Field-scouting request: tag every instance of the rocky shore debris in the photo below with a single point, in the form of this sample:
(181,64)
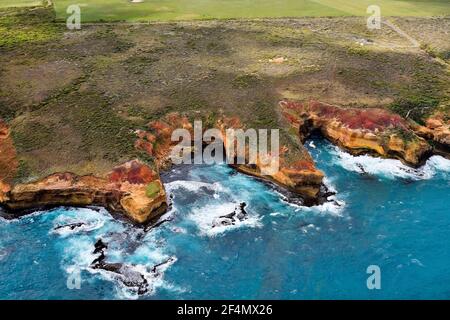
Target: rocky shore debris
(157,224)
(127,274)
(70,226)
(239,214)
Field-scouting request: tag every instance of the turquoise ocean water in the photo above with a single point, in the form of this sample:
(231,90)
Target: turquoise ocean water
(383,214)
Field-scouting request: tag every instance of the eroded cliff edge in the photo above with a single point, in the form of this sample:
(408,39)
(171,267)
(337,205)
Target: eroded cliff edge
(132,189)
(371,130)
(135,190)
(297,171)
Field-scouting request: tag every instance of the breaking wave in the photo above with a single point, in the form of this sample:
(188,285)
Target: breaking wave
(390,168)
(206,217)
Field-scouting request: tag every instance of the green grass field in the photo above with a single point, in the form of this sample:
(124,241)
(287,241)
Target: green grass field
(156,10)
(18,3)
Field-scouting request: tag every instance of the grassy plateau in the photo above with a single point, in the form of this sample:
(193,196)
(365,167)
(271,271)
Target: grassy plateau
(73,99)
(159,10)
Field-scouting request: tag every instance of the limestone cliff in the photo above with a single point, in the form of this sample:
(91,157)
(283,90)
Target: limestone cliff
(297,174)
(132,189)
(437,130)
(8,161)
(370,130)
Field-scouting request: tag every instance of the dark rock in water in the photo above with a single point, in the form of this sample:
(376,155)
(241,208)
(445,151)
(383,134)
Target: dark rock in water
(70,226)
(125,273)
(239,213)
(361,167)
(242,214)
(100,246)
(229,216)
(157,224)
(159,265)
(132,278)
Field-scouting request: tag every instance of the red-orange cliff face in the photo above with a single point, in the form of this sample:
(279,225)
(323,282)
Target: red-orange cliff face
(157,141)
(436,129)
(124,190)
(8,161)
(370,130)
(295,173)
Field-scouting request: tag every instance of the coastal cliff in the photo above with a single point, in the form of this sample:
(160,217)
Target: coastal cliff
(372,130)
(436,130)
(8,162)
(132,189)
(296,173)
(135,190)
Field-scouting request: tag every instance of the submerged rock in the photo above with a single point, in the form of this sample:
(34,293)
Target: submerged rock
(127,274)
(71,226)
(239,214)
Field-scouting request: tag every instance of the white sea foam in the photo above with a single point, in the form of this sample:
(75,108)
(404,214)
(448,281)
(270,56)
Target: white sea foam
(77,250)
(155,280)
(88,219)
(438,163)
(4,220)
(78,255)
(193,186)
(65,227)
(390,168)
(206,216)
(332,206)
(3,253)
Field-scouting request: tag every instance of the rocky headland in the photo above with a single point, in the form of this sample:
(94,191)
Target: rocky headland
(135,190)
(132,189)
(371,130)
(297,171)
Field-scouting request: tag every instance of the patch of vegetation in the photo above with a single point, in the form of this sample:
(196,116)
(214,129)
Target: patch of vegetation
(264,116)
(282,40)
(245,81)
(27,26)
(417,108)
(7,112)
(10,37)
(152,189)
(136,111)
(108,34)
(119,10)
(23,172)
(185,101)
(406,135)
(435,52)
(137,64)
(419,99)
(103,130)
(32,136)
(211,120)
(359,51)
